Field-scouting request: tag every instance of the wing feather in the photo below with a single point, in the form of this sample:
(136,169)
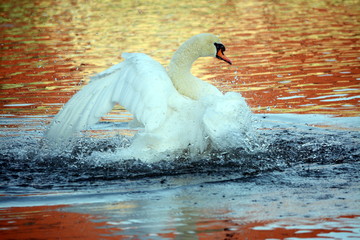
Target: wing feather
(139,83)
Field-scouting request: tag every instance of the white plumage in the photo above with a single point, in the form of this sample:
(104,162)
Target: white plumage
(178,110)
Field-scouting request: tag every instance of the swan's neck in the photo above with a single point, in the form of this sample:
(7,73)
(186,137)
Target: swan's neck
(179,71)
(182,60)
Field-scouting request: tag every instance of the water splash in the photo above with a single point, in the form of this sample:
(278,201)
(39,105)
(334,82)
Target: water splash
(29,163)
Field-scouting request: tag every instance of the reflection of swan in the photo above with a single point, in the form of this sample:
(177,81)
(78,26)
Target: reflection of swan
(177,110)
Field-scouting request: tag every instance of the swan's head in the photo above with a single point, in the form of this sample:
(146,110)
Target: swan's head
(210,45)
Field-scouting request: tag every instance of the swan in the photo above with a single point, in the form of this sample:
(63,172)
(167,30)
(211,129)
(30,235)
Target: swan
(177,110)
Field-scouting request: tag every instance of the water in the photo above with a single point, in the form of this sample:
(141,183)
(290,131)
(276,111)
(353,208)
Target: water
(297,65)
(306,176)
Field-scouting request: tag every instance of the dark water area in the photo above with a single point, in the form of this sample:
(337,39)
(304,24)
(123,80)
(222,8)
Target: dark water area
(29,163)
(296,63)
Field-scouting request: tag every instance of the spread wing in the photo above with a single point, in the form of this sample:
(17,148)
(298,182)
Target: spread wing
(139,83)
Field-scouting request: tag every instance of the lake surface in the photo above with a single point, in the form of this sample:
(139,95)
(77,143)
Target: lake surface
(297,63)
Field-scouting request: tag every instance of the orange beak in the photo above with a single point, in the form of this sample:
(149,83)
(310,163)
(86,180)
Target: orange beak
(220,55)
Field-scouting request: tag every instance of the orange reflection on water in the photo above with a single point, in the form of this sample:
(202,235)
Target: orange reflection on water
(49,222)
(295,56)
(54,222)
(289,56)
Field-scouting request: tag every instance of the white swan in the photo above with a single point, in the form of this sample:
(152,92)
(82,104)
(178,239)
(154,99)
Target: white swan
(178,110)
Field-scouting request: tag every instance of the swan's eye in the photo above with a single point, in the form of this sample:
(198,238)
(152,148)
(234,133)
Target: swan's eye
(219,46)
